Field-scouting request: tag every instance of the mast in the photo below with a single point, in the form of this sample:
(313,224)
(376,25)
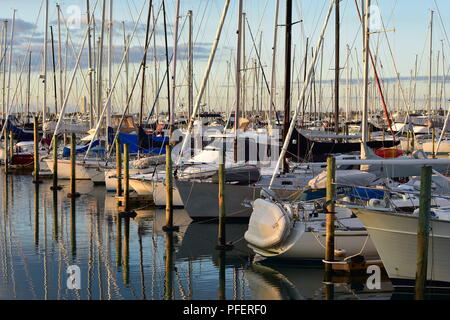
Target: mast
(29,88)
(91,70)
(302,95)
(144,66)
(190,67)
(174,66)
(336,69)
(110,57)
(437,82)
(61,92)
(431,66)
(320,84)
(364,123)
(155,64)
(244,70)
(273,85)
(228,89)
(44,108)
(5,44)
(305,65)
(238,79)
(10,58)
(167,61)
(348,84)
(287,77)
(100,64)
(54,71)
(443,77)
(415,84)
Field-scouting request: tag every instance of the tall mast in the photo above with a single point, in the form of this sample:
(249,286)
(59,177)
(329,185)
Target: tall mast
(305,64)
(347,105)
(44,108)
(244,70)
(320,84)
(110,57)
(336,69)
(431,66)
(60,68)
(302,96)
(100,63)
(174,66)
(10,58)
(364,123)
(5,49)
(287,76)
(144,64)
(29,88)
(415,84)
(437,82)
(155,62)
(125,45)
(91,70)
(228,88)
(273,85)
(54,71)
(190,67)
(167,60)
(443,76)
(238,79)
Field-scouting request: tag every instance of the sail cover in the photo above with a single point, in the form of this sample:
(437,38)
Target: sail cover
(303,149)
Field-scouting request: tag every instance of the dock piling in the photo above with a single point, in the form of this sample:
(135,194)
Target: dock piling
(73,156)
(330,191)
(118,168)
(433,138)
(169,192)
(423,232)
(126,177)
(36,150)
(329,246)
(222,244)
(127,212)
(55,186)
(5,154)
(11,146)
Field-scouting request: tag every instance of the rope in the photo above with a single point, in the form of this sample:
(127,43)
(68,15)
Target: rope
(360,252)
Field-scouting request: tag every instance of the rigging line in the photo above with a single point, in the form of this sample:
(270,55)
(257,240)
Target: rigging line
(442,22)
(163,81)
(260,64)
(408,106)
(73,49)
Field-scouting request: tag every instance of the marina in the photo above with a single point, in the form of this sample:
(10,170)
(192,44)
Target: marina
(219,150)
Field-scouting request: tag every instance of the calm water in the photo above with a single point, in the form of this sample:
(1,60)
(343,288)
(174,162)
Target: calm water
(41,235)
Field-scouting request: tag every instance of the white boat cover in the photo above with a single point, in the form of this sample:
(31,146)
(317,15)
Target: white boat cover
(146,162)
(269,224)
(347,177)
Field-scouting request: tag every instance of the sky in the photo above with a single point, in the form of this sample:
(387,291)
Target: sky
(406,35)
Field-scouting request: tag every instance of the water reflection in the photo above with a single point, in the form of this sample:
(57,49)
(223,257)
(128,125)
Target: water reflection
(291,282)
(124,258)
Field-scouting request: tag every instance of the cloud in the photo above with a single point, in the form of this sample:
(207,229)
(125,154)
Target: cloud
(20,26)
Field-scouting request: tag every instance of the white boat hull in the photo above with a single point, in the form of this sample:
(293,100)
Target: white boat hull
(201,199)
(83,171)
(395,237)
